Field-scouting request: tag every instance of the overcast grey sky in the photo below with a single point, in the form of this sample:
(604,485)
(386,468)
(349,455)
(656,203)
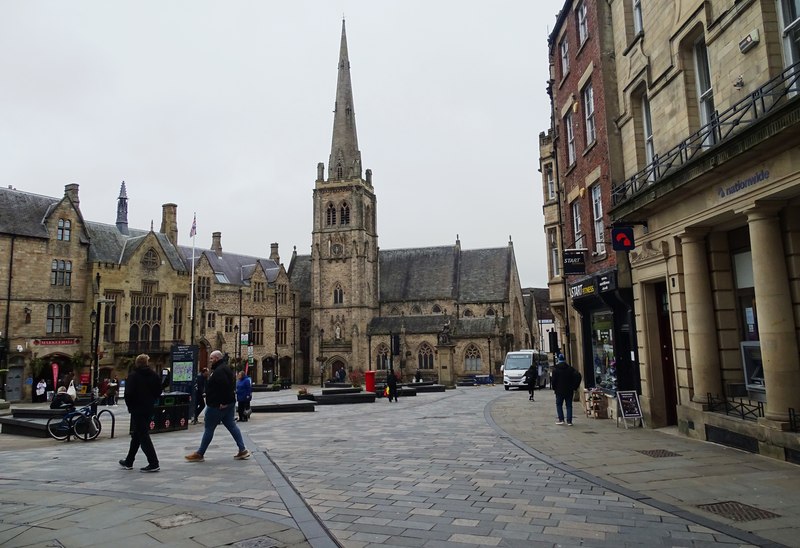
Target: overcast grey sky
(225,108)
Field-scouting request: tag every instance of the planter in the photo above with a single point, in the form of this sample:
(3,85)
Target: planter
(309,397)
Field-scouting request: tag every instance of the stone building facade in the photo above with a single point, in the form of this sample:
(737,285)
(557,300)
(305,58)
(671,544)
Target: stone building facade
(709,110)
(443,310)
(68,279)
(580,157)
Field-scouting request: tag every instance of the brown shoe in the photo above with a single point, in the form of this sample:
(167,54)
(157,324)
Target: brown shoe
(241,455)
(195,457)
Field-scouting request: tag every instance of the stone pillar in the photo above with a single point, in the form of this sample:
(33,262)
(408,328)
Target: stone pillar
(445,354)
(702,326)
(776,325)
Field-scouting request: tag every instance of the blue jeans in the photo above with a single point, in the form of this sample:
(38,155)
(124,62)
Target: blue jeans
(214,416)
(560,401)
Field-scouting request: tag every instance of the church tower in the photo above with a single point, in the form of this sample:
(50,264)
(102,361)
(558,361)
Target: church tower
(344,254)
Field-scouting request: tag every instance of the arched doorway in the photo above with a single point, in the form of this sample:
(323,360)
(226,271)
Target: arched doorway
(337,365)
(268,370)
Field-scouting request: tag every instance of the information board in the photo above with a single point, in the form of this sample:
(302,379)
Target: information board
(629,406)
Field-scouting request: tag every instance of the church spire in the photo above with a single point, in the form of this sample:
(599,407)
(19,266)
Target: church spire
(122,210)
(345,159)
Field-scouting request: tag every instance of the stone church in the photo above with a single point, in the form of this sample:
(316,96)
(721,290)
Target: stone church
(443,310)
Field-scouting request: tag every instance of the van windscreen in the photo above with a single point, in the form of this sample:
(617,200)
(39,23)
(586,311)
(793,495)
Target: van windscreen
(517,362)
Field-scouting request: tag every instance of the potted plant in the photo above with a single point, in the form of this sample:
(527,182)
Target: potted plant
(304,394)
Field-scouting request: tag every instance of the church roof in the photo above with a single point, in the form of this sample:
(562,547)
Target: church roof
(109,245)
(300,276)
(446,272)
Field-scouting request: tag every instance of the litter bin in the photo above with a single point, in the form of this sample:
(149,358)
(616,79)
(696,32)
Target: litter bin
(171,412)
(369,381)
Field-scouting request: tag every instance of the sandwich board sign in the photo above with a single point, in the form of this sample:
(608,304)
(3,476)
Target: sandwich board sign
(629,407)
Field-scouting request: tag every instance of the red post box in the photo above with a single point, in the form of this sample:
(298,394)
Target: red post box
(369,381)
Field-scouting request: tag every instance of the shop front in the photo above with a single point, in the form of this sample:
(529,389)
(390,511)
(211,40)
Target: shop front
(608,358)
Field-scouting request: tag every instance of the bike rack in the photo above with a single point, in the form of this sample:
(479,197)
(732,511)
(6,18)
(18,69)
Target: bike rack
(113,419)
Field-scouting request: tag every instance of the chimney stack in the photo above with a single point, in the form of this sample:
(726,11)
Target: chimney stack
(273,253)
(169,222)
(71,192)
(216,243)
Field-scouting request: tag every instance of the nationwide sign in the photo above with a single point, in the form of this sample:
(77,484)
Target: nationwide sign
(574,261)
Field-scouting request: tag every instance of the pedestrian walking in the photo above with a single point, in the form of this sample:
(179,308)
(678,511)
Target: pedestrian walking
(200,394)
(141,392)
(111,392)
(244,393)
(220,407)
(41,391)
(530,379)
(391,382)
(565,381)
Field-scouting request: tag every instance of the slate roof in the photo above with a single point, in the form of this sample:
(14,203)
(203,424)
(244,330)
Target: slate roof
(238,269)
(425,273)
(109,245)
(478,275)
(23,213)
(300,276)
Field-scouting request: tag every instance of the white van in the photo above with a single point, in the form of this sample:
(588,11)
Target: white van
(517,363)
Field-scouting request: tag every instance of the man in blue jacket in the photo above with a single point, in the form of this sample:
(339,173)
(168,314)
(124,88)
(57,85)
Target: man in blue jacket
(141,392)
(220,407)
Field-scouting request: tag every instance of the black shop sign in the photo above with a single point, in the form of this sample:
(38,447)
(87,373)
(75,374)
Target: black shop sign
(582,289)
(574,261)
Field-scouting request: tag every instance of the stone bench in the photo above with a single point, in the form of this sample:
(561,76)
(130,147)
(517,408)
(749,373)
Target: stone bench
(291,407)
(336,399)
(350,390)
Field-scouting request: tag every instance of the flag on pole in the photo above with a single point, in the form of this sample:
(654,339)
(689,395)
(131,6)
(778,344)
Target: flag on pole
(193,231)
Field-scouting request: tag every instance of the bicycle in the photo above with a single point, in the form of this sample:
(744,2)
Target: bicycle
(81,423)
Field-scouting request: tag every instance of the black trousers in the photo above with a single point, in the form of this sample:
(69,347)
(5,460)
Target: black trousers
(199,405)
(140,437)
(241,407)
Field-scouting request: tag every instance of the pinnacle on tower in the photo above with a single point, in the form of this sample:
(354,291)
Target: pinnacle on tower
(345,159)
(122,210)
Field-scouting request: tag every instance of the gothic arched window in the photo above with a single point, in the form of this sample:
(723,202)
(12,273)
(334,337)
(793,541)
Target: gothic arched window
(338,294)
(382,358)
(330,215)
(490,312)
(468,313)
(472,358)
(339,171)
(150,259)
(425,356)
(344,218)
(416,309)
(436,309)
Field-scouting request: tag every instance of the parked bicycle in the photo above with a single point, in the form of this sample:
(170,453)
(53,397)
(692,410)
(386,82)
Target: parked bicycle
(81,423)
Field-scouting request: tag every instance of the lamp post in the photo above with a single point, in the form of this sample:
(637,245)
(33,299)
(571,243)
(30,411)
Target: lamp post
(489,340)
(321,358)
(95,325)
(238,344)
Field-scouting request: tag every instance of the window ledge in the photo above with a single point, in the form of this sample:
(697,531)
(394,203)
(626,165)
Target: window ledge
(590,146)
(637,37)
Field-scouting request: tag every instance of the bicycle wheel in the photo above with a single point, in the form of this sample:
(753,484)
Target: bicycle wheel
(57,428)
(82,427)
(94,428)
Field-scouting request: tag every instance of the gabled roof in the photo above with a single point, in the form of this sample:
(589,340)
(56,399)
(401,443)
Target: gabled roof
(484,275)
(238,269)
(418,274)
(111,246)
(300,276)
(24,214)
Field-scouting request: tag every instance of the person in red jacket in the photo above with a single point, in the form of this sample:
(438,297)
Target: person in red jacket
(141,392)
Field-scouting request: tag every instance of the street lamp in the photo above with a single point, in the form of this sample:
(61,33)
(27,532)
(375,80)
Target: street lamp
(321,358)
(238,344)
(489,340)
(95,328)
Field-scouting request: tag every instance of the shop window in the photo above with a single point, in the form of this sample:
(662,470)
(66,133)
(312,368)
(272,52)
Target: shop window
(604,362)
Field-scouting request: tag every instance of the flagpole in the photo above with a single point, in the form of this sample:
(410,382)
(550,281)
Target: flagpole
(191,305)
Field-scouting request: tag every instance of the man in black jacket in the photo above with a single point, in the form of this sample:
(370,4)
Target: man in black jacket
(220,407)
(141,392)
(563,383)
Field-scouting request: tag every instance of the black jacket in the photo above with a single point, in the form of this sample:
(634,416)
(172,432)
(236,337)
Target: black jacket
(221,385)
(562,380)
(391,380)
(142,389)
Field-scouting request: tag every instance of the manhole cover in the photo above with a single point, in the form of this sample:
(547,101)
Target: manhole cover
(737,511)
(258,542)
(175,521)
(234,500)
(658,453)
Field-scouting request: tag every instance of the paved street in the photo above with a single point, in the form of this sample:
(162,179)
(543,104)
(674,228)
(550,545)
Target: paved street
(470,467)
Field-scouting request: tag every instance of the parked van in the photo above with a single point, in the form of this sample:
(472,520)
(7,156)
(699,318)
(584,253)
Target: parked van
(517,363)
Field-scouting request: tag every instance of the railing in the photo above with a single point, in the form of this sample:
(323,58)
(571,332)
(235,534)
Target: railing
(144,347)
(744,410)
(742,114)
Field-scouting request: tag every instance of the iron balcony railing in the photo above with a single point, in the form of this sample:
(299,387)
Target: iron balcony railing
(721,126)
